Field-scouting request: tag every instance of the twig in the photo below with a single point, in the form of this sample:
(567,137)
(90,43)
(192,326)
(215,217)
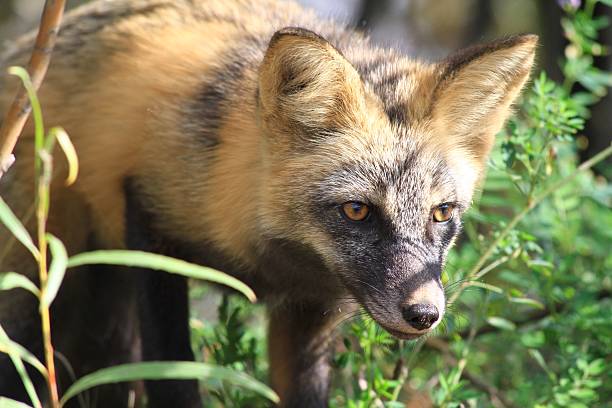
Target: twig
(403,369)
(497,398)
(18,113)
(531,204)
(531,318)
(491,266)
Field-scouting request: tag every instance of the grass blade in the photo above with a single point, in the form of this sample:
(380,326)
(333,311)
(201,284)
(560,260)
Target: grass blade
(12,280)
(167,370)
(57,270)
(7,344)
(39,127)
(12,223)
(69,151)
(160,262)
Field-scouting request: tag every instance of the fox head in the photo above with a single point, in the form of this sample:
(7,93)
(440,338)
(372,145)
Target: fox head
(372,163)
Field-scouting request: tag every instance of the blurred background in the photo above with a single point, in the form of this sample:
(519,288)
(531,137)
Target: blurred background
(422,28)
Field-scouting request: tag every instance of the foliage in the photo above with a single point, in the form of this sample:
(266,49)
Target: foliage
(236,341)
(51,275)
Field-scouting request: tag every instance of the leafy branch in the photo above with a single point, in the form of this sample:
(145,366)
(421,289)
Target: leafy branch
(477,269)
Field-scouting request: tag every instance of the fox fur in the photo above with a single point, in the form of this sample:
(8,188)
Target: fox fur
(230,133)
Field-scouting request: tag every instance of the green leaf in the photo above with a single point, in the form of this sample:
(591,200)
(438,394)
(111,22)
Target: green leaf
(57,270)
(606,2)
(160,262)
(8,346)
(39,127)
(486,286)
(583,394)
(13,352)
(9,403)
(533,339)
(394,404)
(69,151)
(168,370)
(12,223)
(12,280)
(501,323)
(527,301)
(537,356)
(596,367)
(443,382)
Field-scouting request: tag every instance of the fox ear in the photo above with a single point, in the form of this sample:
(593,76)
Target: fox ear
(474,94)
(306,85)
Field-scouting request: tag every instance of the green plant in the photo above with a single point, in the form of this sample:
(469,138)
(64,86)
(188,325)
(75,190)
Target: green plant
(233,341)
(52,271)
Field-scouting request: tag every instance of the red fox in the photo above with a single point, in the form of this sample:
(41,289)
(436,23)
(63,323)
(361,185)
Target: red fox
(259,139)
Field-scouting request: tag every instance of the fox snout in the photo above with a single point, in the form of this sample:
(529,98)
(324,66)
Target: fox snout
(421,316)
(424,307)
(409,308)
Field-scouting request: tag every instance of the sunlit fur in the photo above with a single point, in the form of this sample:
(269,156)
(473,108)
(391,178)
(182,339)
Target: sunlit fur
(242,130)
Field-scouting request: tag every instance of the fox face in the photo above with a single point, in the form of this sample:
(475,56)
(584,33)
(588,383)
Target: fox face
(378,192)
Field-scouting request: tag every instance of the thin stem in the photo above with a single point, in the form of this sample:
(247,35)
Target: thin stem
(405,369)
(491,266)
(42,212)
(531,204)
(498,399)
(18,112)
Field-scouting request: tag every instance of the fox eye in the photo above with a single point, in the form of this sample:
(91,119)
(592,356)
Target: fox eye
(355,211)
(443,212)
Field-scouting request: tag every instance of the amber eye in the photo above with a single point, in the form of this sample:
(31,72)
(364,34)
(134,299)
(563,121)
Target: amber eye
(355,211)
(443,212)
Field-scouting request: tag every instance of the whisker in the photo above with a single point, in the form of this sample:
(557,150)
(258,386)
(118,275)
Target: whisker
(370,285)
(382,306)
(350,316)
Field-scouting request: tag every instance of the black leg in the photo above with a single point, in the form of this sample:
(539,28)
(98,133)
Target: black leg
(95,325)
(164,323)
(299,348)
(163,309)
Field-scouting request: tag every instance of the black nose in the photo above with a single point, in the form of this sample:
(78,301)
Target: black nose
(420,316)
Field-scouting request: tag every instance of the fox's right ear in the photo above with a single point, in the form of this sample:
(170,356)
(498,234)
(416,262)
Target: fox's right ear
(306,85)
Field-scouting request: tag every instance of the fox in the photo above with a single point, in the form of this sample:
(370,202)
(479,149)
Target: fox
(262,140)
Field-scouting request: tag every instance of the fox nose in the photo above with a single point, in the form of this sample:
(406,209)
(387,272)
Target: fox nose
(420,316)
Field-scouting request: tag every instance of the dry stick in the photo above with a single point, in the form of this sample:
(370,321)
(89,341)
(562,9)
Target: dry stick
(18,113)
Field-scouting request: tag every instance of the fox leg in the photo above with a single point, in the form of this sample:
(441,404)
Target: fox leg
(164,324)
(300,338)
(163,311)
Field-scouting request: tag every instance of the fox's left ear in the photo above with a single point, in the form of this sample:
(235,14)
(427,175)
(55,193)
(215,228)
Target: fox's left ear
(475,90)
